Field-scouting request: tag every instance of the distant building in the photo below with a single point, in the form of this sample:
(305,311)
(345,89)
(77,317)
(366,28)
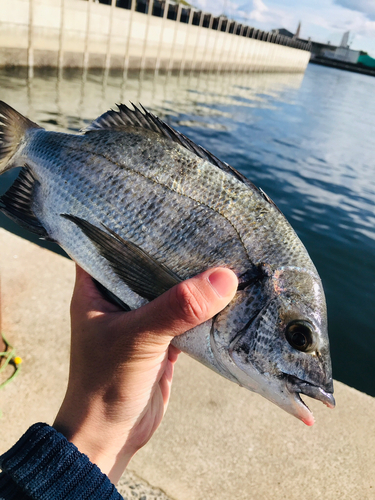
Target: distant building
(342,56)
(316,48)
(283,32)
(287,33)
(343,53)
(298,32)
(345,40)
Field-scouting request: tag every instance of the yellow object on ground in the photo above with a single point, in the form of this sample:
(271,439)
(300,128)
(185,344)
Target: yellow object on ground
(10,359)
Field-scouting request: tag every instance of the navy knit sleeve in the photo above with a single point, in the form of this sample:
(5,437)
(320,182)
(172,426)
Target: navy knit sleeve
(43,464)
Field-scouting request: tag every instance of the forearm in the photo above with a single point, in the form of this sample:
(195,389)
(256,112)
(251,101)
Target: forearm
(44,464)
(106,421)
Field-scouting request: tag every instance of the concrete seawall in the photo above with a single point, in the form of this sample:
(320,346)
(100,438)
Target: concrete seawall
(78,33)
(217,441)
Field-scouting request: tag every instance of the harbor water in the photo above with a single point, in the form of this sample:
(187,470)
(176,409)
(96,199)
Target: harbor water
(306,140)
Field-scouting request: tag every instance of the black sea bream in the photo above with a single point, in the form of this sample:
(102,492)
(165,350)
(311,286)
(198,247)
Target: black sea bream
(141,207)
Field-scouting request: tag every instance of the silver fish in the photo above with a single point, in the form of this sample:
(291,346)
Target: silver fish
(141,207)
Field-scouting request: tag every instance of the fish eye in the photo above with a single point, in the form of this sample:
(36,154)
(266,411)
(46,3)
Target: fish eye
(300,335)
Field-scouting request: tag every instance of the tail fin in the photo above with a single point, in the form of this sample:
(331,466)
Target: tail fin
(13,127)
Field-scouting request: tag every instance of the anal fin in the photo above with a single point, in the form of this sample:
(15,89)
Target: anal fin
(16,203)
(141,272)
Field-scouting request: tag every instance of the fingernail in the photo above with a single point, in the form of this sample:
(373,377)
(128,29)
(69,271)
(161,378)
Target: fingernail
(222,282)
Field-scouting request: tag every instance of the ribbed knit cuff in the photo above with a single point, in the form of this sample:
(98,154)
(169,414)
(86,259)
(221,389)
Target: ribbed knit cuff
(45,465)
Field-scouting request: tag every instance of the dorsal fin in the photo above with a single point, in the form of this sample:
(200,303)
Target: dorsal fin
(142,118)
(267,198)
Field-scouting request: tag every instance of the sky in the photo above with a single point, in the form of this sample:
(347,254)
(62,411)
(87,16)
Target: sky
(322,20)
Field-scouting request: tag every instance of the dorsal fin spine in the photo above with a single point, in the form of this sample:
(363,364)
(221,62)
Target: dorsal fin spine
(125,117)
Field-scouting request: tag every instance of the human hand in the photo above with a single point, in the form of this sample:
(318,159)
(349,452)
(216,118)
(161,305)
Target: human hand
(121,364)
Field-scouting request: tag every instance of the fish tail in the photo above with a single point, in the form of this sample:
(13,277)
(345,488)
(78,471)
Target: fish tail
(13,127)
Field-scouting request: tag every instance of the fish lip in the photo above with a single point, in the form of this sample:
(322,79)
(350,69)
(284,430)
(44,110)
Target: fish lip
(296,386)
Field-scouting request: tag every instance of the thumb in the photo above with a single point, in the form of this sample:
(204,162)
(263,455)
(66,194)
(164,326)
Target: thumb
(186,305)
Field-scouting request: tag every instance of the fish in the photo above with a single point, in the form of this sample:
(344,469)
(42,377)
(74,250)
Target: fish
(141,207)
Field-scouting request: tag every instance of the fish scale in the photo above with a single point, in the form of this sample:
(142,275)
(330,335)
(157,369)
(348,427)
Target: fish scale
(217,197)
(141,207)
(179,207)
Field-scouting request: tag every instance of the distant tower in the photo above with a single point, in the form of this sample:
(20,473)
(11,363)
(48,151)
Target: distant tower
(345,40)
(298,32)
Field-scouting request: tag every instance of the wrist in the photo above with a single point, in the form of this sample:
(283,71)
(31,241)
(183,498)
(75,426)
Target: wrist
(105,443)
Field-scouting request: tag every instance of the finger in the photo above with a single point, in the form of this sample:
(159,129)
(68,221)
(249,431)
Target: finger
(186,305)
(82,278)
(165,384)
(173,353)
(86,296)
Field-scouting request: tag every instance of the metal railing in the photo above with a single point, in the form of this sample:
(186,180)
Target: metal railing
(189,15)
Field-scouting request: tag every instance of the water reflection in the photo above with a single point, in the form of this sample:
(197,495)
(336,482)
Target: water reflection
(69,99)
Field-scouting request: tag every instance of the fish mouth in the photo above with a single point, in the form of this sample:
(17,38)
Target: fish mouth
(297,386)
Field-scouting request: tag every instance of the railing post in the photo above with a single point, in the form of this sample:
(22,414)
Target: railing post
(179,12)
(233,42)
(60,61)
(226,31)
(178,19)
(191,14)
(30,48)
(109,40)
(197,40)
(149,14)
(241,38)
(126,59)
(216,40)
(86,53)
(208,36)
(165,14)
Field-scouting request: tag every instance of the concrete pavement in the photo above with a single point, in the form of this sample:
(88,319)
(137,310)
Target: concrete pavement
(217,441)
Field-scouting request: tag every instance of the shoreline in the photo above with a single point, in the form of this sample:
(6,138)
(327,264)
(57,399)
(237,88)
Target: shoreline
(332,63)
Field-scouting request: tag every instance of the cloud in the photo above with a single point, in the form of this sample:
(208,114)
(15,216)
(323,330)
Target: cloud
(260,11)
(367,7)
(321,19)
(227,7)
(358,23)
(256,12)
(251,10)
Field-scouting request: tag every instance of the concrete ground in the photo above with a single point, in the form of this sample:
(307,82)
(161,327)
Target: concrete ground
(217,441)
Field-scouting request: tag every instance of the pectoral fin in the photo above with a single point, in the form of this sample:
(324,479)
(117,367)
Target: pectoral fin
(16,203)
(141,272)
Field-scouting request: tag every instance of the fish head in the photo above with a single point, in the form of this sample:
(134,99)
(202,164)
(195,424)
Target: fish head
(277,341)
